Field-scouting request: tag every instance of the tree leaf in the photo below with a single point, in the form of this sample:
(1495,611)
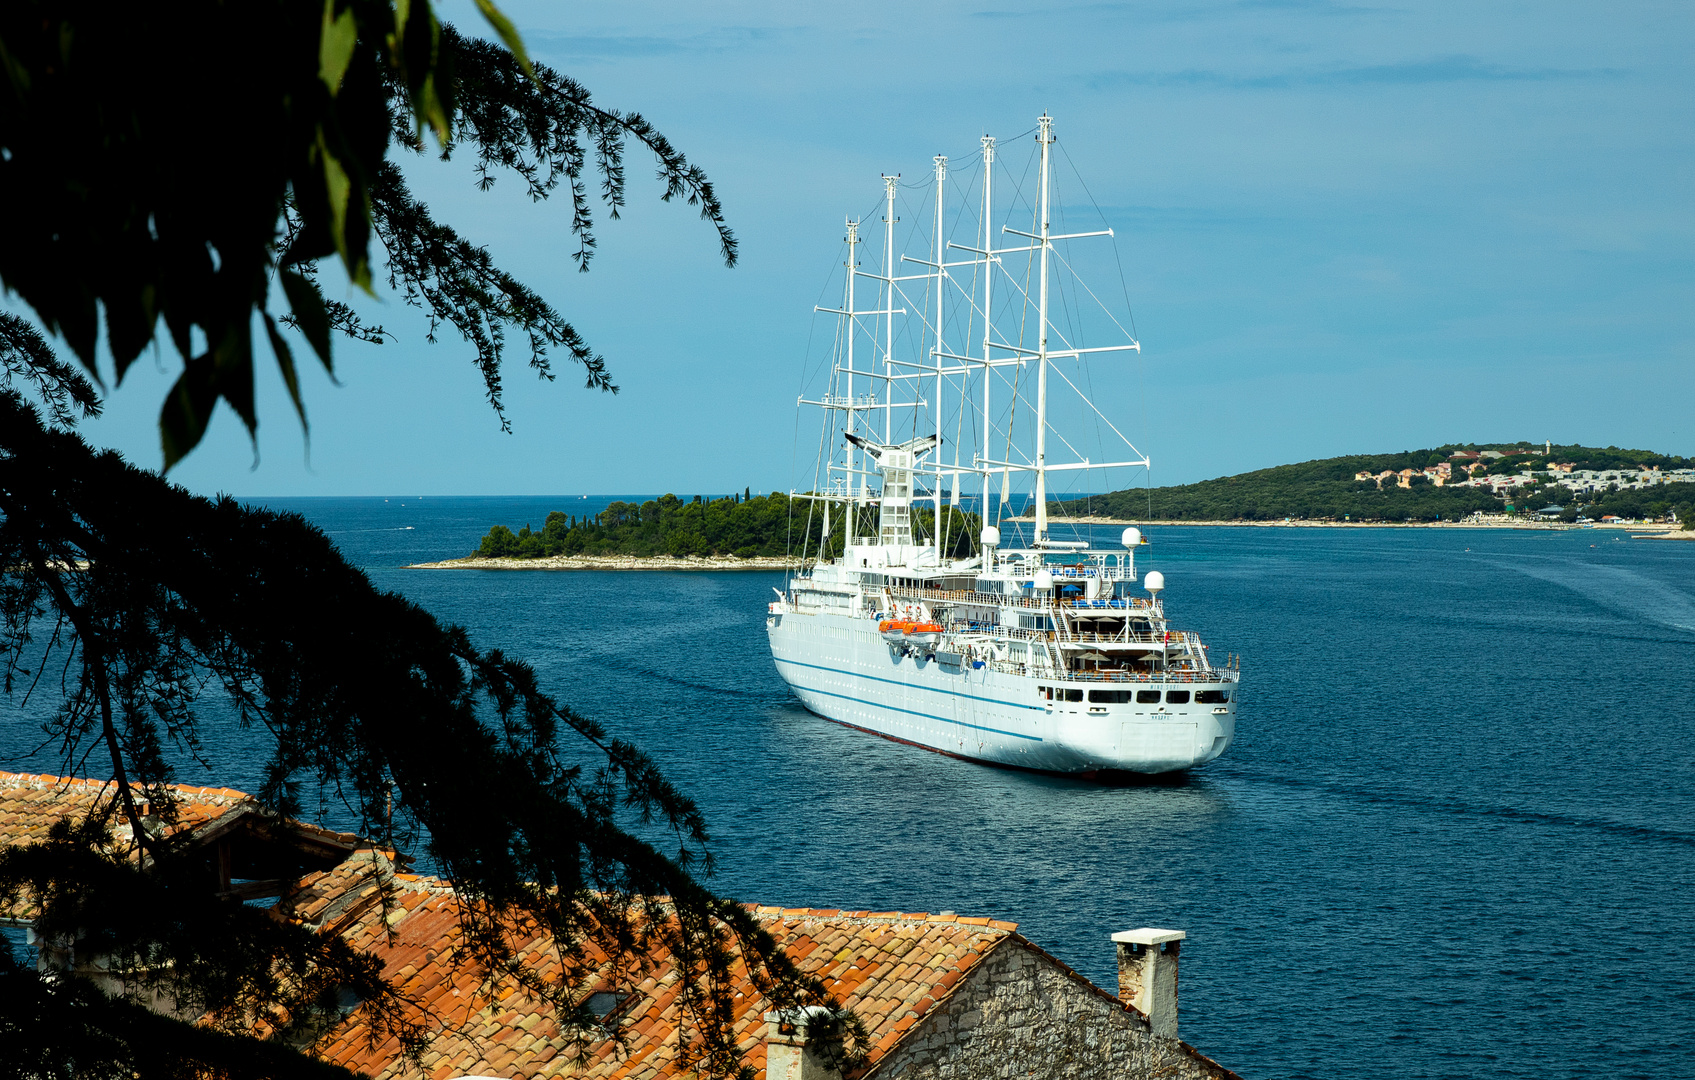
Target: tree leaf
(187,408)
(285,363)
(310,314)
(435,110)
(338,186)
(508,33)
(335,46)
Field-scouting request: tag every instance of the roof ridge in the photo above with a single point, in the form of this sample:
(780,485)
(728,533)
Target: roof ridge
(45,780)
(942,918)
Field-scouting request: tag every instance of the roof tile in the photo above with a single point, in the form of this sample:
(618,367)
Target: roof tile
(891,967)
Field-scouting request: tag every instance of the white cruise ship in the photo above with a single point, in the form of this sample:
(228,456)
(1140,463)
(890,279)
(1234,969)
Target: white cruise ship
(1041,653)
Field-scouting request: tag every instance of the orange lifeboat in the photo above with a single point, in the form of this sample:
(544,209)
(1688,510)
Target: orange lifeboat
(928,634)
(894,630)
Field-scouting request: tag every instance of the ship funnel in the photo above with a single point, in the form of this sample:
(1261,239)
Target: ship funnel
(1154,582)
(1132,537)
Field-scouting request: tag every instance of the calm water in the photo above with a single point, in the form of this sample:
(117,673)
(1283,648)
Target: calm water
(1455,836)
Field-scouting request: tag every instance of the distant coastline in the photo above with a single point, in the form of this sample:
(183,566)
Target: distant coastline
(1638,530)
(1451,483)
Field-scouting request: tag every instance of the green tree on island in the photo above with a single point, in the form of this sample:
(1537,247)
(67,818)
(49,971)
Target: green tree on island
(165,165)
(769,525)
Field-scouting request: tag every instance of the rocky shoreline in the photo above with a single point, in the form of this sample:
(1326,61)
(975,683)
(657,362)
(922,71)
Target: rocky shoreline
(614,562)
(765,562)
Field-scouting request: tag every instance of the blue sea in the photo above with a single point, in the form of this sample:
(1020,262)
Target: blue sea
(1455,836)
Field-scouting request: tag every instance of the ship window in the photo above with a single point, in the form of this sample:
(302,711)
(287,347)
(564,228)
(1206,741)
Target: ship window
(1110,697)
(1147,697)
(1210,697)
(1177,697)
(1073,695)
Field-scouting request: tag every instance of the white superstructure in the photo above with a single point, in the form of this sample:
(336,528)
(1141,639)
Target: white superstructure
(1041,655)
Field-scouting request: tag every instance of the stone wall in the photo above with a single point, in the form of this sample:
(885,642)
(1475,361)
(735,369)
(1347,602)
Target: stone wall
(1021,1014)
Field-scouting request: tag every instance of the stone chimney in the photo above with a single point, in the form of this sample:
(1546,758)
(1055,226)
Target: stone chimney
(1147,975)
(790,1052)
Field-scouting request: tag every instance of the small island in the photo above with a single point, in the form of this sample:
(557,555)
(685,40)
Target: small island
(737,532)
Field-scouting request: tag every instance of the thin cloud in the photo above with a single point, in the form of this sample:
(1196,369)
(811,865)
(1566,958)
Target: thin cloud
(1188,13)
(615,47)
(1446,69)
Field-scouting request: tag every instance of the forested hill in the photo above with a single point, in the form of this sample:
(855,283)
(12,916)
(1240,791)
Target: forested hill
(745,525)
(1326,489)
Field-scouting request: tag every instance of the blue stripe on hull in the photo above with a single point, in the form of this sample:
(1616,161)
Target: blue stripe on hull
(911,712)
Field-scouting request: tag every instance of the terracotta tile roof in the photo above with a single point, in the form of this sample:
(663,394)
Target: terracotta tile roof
(30,804)
(891,968)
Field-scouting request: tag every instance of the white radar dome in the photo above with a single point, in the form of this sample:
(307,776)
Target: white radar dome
(1132,537)
(991,536)
(1044,579)
(1154,581)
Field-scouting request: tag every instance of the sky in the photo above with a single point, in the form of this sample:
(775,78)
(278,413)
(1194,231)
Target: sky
(1344,228)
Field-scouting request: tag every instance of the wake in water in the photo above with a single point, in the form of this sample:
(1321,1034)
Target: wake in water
(1627,592)
(1447,805)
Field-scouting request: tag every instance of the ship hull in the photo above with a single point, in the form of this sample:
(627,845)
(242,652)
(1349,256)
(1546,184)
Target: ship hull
(840,667)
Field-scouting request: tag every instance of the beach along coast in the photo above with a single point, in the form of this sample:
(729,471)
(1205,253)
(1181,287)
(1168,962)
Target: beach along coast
(1639,530)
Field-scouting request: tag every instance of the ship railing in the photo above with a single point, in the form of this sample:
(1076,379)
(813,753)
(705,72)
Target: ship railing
(1113,604)
(1021,634)
(969,596)
(1213,675)
(1128,637)
(1024,566)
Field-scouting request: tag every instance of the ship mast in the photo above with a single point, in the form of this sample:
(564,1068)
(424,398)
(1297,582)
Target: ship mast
(889,185)
(1044,136)
(936,525)
(988,305)
(854,455)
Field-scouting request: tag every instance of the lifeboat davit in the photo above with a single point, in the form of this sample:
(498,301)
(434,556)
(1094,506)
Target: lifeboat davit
(925,634)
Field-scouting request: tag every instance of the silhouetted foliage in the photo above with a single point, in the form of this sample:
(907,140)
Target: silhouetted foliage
(148,596)
(176,158)
(72,1030)
(27,358)
(165,166)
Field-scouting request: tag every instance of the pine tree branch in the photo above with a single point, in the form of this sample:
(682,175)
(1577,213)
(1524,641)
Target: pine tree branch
(458,283)
(26,356)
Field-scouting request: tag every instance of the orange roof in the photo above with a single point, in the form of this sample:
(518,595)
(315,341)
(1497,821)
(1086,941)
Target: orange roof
(890,968)
(30,804)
